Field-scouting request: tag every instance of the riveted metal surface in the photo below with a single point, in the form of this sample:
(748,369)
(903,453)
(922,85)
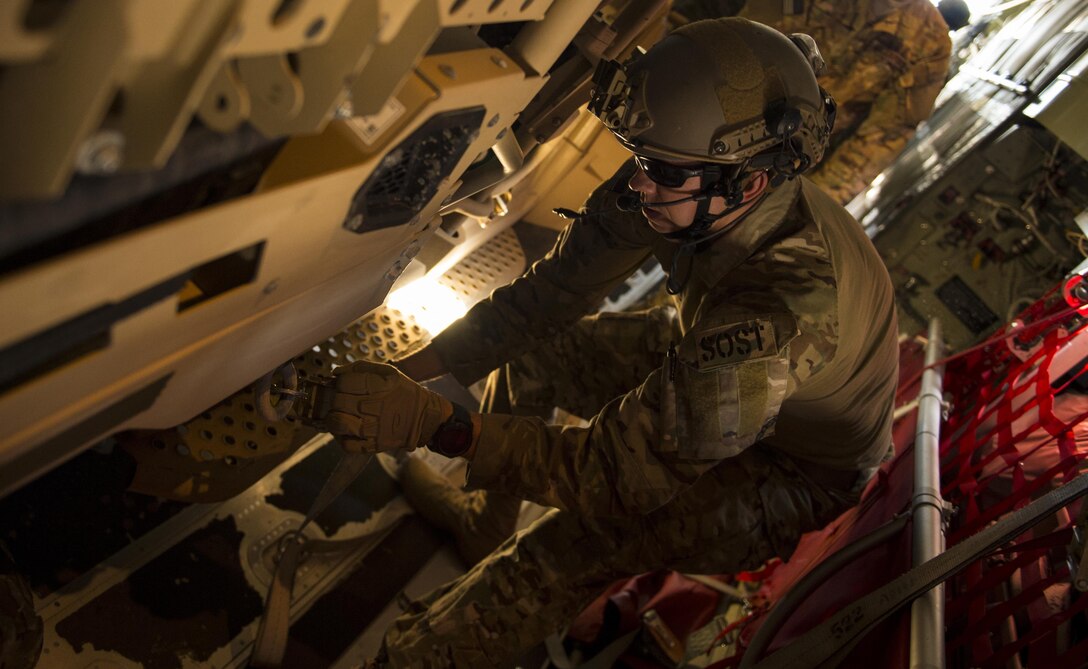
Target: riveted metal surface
(285,67)
(312,278)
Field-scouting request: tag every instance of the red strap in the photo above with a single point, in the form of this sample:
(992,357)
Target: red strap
(1068,661)
(1002,610)
(761,574)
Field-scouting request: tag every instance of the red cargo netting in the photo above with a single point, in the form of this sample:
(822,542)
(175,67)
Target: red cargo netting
(1011,436)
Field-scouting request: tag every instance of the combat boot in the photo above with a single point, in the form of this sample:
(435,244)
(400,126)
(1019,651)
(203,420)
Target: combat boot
(478,520)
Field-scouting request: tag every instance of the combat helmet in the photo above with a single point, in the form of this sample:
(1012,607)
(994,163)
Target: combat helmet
(725,91)
(730,95)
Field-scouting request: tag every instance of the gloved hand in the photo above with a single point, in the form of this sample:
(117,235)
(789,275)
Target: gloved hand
(376,408)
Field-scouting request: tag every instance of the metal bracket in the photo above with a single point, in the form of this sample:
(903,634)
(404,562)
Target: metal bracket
(1077,550)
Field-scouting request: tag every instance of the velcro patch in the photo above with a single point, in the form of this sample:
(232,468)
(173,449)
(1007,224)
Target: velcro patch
(735,343)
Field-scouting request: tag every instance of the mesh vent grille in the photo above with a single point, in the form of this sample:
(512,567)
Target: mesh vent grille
(409,175)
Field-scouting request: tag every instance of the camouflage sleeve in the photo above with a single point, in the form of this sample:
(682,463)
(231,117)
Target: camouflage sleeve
(892,119)
(591,257)
(855,162)
(719,395)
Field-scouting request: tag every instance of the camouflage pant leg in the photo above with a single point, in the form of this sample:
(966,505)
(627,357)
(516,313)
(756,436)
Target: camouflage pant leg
(528,588)
(600,358)
(761,492)
(737,516)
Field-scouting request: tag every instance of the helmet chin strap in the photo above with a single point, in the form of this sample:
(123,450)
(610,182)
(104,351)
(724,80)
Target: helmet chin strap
(699,230)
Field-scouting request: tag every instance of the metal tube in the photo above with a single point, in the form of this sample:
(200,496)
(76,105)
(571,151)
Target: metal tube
(478,211)
(506,161)
(927,509)
(509,153)
(632,21)
(492,178)
(539,44)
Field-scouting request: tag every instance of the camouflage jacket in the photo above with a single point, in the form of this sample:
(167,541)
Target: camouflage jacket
(789,338)
(886,62)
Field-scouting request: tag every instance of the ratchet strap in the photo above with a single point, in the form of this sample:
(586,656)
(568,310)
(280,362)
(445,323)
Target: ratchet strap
(827,643)
(271,643)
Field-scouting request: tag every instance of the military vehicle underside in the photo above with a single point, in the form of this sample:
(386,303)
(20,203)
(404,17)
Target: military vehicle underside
(231,187)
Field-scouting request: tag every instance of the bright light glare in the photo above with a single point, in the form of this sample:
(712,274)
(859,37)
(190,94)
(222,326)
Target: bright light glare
(433,305)
(982,7)
(979,7)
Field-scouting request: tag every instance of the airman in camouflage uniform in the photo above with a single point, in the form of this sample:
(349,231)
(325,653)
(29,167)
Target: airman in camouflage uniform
(730,426)
(886,62)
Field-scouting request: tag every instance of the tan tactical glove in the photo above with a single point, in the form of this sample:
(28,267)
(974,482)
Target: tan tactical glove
(376,408)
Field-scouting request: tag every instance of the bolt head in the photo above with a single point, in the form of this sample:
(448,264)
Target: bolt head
(720,147)
(102,153)
(344,110)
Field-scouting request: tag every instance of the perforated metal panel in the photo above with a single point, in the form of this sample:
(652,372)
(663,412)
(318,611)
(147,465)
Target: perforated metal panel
(494,264)
(229,447)
(636,287)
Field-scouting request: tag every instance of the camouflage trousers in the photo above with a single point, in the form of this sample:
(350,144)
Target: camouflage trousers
(740,514)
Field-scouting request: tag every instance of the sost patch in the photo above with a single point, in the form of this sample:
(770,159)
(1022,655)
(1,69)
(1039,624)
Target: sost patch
(735,343)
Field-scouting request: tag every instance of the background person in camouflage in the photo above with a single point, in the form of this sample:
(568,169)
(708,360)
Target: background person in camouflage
(761,423)
(886,61)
